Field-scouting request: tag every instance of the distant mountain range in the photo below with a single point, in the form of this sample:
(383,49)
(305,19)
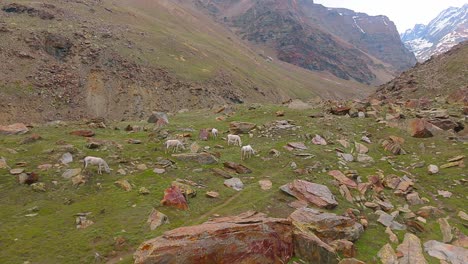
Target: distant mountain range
(348,44)
(449,28)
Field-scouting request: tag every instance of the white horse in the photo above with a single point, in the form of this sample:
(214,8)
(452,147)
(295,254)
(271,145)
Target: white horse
(96,161)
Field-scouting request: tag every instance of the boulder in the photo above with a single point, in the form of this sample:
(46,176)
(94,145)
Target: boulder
(3,163)
(78,180)
(361,148)
(201,158)
(387,255)
(28,178)
(297,145)
(66,158)
(394,144)
(234,183)
(318,140)
(159,118)
(174,197)
(341,110)
(157,219)
(339,176)
(317,194)
(364,158)
(70,173)
(411,250)
(414,199)
(212,194)
(446,124)
(14,129)
(239,168)
(250,237)
(446,230)
(124,185)
(16,171)
(83,133)
(327,226)
(222,173)
(432,169)
(446,252)
(186,189)
(241,127)
(31,139)
(309,248)
(420,128)
(265,184)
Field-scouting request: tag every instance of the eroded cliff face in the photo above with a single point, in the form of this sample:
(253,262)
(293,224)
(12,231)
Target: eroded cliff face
(347,44)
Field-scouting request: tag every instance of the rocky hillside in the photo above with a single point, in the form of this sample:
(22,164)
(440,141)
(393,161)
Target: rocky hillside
(441,76)
(449,28)
(122,59)
(350,45)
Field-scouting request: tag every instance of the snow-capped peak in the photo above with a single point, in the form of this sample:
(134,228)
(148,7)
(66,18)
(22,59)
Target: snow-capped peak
(449,28)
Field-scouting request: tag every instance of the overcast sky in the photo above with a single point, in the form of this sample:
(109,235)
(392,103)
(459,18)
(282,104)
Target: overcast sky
(405,13)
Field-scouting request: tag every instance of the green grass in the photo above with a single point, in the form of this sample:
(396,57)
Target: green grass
(51,236)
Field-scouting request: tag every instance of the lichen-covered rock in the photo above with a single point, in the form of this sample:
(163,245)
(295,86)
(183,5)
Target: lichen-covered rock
(316,194)
(250,237)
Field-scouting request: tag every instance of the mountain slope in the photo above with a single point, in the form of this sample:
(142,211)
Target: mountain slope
(449,28)
(122,59)
(350,45)
(441,75)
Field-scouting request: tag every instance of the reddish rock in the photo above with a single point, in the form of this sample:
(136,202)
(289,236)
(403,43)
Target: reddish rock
(173,197)
(158,118)
(203,134)
(82,133)
(420,128)
(377,183)
(327,226)
(446,124)
(14,129)
(339,176)
(343,110)
(31,139)
(250,237)
(418,103)
(241,127)
(316,194)
(239,168)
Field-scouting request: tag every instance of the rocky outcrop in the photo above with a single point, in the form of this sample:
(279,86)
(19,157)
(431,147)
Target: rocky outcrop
(446,252)
(174,197)
(250,237)
(316,194)
(411,250)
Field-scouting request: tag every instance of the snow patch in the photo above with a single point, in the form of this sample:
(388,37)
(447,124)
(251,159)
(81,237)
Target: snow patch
(355,23)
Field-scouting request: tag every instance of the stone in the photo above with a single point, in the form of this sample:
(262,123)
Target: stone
(344,143)
(429,211)
(297,145)
(38,187)
(83,133)
(387,255)
(16,171)
(445,194)
(420,128)
(432,169)
(239,168)
(234,183)
(351,261)
(31,139)
(361,115)
(361,148)
(202,158)
(212,194)
(265,184)
(14,129)
(446,230)
(78,180)
(250,237)
(309,248)
(391,236)
(28,178)
(279,113)
(344,247)
(173,197)
(413,198)
(339,176)
(316,194)
(346,157)
(159,171)
(463,215)
(376,183)
(70,173)
(143,191)
(411,250)
(446,124)
(318,140)
(134,141)
(241,127)
(394,144)
(158,118)
(93,145)
(326,226)
(142,167)
(157,219)
(446,252)
(185,189)
(82,222)
(66,158)
(364,158)
(222,173)
(124,185)
(344,191)
(341,110)
(388,221)
(195,147)
(3,163)
(275,153)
